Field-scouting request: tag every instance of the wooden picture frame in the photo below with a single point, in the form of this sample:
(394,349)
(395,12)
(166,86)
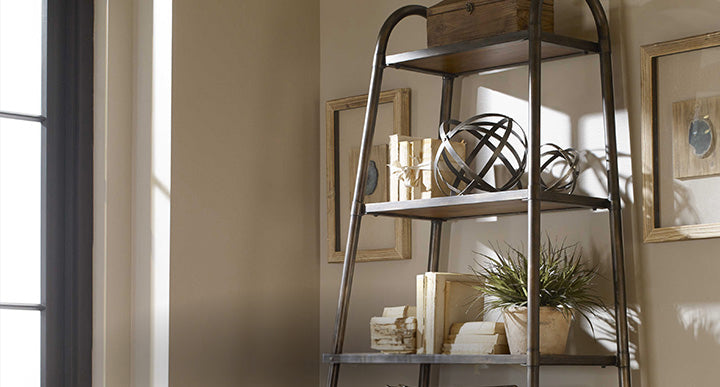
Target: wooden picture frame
(653,232)
(400,100)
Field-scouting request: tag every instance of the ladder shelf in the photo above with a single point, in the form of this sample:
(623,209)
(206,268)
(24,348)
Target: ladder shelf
(531,48)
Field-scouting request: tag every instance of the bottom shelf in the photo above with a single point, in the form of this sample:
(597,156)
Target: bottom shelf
(548,360)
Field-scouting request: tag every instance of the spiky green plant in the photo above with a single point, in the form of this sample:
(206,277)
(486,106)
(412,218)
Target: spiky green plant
(566,283)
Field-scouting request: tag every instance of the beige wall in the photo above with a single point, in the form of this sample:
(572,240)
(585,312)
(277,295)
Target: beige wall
(673,301)
(678,281)
(244,238)
(129,315)
(113,184)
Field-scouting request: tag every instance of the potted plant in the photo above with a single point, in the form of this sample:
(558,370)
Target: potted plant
(566,290)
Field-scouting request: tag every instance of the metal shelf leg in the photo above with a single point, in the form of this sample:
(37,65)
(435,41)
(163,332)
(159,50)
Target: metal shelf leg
(356,210)
(434,255)
(534,74)
(616,233)
(424,378)
(433,264)
(436,225)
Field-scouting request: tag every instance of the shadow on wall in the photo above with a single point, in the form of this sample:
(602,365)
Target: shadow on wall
(682,197)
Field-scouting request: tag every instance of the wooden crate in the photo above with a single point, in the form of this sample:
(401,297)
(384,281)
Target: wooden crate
(453,21)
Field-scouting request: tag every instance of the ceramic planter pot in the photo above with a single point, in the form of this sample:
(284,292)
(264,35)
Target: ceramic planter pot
(554,329)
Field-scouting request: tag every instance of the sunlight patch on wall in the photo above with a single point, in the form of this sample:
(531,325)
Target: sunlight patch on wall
(556,124)
(161,167)
(591,144)
(700,317)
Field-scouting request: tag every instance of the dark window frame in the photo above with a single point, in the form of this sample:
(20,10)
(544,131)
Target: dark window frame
(68,196)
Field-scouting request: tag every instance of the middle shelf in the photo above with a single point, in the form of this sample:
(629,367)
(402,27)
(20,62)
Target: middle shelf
(482,204)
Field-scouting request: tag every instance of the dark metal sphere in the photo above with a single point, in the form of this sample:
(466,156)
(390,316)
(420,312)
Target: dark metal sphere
(552,157)
(499,136)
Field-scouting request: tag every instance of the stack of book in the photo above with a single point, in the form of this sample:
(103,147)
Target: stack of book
(412,161)
(476,338)
(394,332)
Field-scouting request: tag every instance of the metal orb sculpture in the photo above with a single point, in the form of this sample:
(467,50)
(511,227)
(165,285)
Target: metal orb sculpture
(498,138)
(559,168)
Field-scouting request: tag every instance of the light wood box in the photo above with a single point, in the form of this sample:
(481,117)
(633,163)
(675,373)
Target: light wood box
(424,151)
(408,151)
(442,300)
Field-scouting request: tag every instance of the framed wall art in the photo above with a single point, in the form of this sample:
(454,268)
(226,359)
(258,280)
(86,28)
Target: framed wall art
(681,123)
(381,238)
(376,190)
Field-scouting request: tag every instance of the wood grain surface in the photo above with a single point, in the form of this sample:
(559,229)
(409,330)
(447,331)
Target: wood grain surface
(685,163)
(649,54)
(452,21)
(400,99)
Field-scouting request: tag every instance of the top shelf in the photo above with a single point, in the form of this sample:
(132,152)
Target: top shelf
(475,56)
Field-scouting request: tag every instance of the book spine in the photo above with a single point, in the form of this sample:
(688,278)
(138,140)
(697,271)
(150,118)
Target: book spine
(394,157)
(430,149)
(420,299)
(434,312)
(404,156)
(415,160)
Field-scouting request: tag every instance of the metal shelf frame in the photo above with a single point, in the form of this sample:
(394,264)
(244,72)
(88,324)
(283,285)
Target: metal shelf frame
(532,199)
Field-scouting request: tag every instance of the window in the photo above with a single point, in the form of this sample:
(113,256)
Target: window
(45,192)
(22,105)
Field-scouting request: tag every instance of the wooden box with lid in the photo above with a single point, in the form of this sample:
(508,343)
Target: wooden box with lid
(454,21)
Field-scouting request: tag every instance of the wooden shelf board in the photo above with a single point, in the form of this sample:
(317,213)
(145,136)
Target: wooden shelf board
(475,56)
(548,360)
(480,205)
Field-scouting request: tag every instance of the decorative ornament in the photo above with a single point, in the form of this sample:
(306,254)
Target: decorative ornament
(499,136)
(700,136)
(565,162)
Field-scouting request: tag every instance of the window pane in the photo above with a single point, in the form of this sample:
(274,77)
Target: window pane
(20,205)
(19,348)
(21,56)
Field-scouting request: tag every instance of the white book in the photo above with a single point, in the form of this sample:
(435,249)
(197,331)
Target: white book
(404,157)
(395,321)
(399,311)
(477,339)
(477,328)
(395,186)
(420,298)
